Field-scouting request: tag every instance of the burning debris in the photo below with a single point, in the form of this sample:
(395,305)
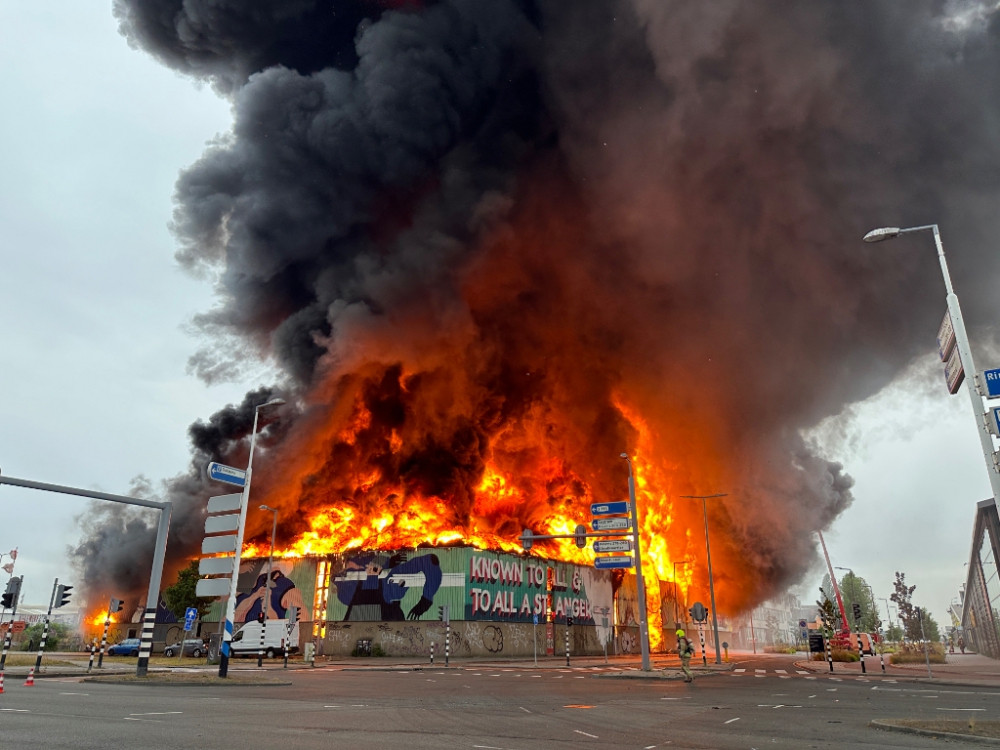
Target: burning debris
(494,243)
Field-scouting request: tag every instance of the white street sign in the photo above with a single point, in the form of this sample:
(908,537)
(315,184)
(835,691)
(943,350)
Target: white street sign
(212,544)
(217,524)
(212,587)
(613,545)
(224,503)
(946,337)
(213,566)
(953,373)
(612,524)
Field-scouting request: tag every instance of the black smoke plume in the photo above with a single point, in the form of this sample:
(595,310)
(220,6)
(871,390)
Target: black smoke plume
(488,223)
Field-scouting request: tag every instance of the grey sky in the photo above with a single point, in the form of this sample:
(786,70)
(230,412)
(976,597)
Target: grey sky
(92,136)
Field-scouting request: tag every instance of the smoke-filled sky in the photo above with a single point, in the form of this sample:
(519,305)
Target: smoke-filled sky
(498,229)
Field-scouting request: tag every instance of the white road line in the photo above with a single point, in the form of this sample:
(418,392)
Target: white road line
(739,670)
(801,671)
(524,709)
(812,696)
(332,706)
(74,693)
(158,713)
(810,678)
(784,677)
(585,734)
(961,709)
(731,720)
(781,671)
(154,721)
(16,710)
(579,678)
(760,671)
(649,747)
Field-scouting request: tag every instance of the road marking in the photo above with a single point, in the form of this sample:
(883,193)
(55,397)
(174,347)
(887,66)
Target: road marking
(430,680)
(784,677)
(579,678)
(158,713)
(812,696)
(961,709)
(154,721)
(332,706)
(649,747)
(557,677)
(760,671)
(731,720)
(74,693)
(739,670)
(810,678)
(524,709)
(781,671)
(831,690)
(577,705)
(800,671)
(585,734)
(16,710)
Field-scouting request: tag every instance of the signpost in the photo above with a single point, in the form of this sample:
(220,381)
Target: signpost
(613,562)
(190,615)
(223,473)
(991,383)
(609,509)
(699,614)
(613,545)
(534,636)
(612,524)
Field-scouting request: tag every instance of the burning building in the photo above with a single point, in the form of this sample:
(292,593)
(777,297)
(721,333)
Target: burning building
(489,245)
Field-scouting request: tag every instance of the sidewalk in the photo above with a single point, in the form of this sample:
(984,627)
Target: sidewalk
(972,670)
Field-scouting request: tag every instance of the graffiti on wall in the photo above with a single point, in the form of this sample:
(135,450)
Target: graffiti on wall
(474,584)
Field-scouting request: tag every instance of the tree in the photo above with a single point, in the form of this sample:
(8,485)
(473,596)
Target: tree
(854,590)
(902,596)
(182,595)
(931,630)
(827,612)
(894,633)
(32,636)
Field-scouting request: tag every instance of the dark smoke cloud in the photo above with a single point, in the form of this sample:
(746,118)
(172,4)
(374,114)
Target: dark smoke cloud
(533,207)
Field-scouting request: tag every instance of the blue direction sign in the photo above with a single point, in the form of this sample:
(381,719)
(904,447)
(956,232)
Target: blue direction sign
(534,619)
(190,615)
(613,545)
(991,382)
(993,421)
(609,509)
(223,473)
(612,524)
(613,561)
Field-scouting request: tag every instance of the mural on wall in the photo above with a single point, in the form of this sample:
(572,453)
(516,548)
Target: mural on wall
(288,578)
(474,584)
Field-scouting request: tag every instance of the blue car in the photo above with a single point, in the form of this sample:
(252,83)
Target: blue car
(128,647)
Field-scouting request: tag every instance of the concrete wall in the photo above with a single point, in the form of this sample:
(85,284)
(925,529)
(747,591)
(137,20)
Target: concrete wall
(470,639)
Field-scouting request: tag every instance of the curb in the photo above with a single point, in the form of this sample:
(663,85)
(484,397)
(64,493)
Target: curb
(888,727)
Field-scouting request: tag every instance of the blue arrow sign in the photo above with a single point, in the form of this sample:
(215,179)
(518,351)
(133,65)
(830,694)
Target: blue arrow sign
(223,473)
(609,509)
(991,381)
(612,524)
(613,561)
(190,615)
(534,619)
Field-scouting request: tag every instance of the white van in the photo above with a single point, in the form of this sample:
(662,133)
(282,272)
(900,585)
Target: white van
(246,640)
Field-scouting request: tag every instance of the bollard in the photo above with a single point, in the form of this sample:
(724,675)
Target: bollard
(93,648)
(861,654)
(829,652)
(567,645)
(432,653)
(447,642)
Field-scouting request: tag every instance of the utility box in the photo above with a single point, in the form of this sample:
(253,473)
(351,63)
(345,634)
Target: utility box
(214,648)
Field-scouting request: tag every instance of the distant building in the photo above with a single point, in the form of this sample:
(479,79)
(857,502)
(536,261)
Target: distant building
(981,598)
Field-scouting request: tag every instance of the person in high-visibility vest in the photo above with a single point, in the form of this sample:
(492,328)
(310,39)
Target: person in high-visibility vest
(685,649)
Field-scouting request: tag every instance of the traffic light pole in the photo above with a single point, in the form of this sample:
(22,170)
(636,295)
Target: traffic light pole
(10,628)
(159,551)
(45,628)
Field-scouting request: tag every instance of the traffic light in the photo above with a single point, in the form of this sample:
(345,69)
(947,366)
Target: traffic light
(444,613)
(62,596)
(116,605)
(526,539)
(9,598)
(260,618)
(857,611)
(581,535)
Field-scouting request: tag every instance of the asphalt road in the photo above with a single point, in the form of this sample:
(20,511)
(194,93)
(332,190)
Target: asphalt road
(506,708)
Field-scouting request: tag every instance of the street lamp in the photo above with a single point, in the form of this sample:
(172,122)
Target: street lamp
(679,562)
(227,633)
(711,580)
(640,583)
(961,342)
(270,567)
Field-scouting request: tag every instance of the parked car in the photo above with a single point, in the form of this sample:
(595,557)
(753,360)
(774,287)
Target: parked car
(128,647)
(192,647)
